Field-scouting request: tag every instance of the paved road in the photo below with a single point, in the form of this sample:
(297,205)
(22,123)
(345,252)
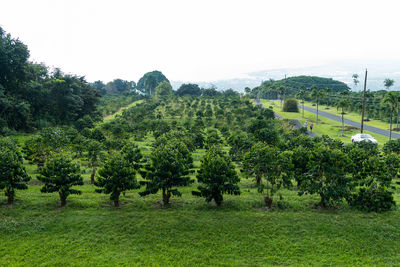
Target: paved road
(352,123)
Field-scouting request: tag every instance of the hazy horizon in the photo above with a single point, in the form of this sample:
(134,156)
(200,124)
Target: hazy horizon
(201,41)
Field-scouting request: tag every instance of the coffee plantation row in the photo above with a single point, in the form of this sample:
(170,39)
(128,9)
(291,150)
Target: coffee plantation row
(237,140)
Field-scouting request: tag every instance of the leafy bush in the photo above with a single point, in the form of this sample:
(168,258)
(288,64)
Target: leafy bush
(212,139)
(58,175)
(372,198)
(327,175)
(290,105)
(374,179)
(392,146)
(217,176)
(12,172)
(169,167)
(116,176)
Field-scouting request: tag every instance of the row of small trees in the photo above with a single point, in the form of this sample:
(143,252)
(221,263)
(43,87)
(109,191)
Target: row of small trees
(357,173)
(169,167)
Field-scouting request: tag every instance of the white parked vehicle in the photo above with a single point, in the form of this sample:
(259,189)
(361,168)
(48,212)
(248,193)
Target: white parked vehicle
(363,137)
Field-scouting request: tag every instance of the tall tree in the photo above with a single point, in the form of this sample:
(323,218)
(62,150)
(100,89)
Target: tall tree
(150,84)
(281,90)
(343,105)
(398,110)
(145,86)
(302,94)
(189,89)
(328,92)
(368,97)
(317,94)
(391,99)
(94,155)
(388,83)
(355,80)
(163,89)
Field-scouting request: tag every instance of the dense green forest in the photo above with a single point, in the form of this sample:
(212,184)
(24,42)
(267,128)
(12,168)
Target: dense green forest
(32,97)
(291,85)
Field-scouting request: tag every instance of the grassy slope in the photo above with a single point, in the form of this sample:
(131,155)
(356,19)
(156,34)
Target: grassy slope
(89,231)
(354,116)
(325,127)
(112,116)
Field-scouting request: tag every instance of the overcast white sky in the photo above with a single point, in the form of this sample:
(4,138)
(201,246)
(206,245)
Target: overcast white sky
(200,40)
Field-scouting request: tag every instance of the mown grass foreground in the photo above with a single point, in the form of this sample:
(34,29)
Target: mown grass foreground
(89,231)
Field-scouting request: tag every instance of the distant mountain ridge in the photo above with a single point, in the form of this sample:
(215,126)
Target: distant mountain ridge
(378,70)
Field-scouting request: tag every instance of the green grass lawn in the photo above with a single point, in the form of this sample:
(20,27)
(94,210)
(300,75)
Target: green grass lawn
(325,126)
(112,116)
(354,116)
(89,231)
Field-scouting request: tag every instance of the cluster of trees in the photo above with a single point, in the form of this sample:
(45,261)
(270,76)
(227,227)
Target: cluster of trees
(32,97)
(262,148)
(116,86)
(281,89)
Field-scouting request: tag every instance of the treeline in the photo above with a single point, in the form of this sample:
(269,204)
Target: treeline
(290,86)
(266,150)
(32,97)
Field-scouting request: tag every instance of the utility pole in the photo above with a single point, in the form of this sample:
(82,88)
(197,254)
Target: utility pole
(363,103)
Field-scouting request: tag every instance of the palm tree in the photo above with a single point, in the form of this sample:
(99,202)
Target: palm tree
(355,80)
(391,99)
(398,111)
(343,104)
(344,94)
(281,90)
(302,94)
(318,94)
(368,96)
(328,91)
(150,83)
(388,83)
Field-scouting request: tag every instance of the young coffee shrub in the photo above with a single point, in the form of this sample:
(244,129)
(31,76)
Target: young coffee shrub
(169,167)
(116,176)
(217,176)
(59,174)
(13,175)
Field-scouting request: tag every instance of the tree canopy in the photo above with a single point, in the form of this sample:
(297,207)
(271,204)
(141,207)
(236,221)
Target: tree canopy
(189,89)
(31,96)
(150,80)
